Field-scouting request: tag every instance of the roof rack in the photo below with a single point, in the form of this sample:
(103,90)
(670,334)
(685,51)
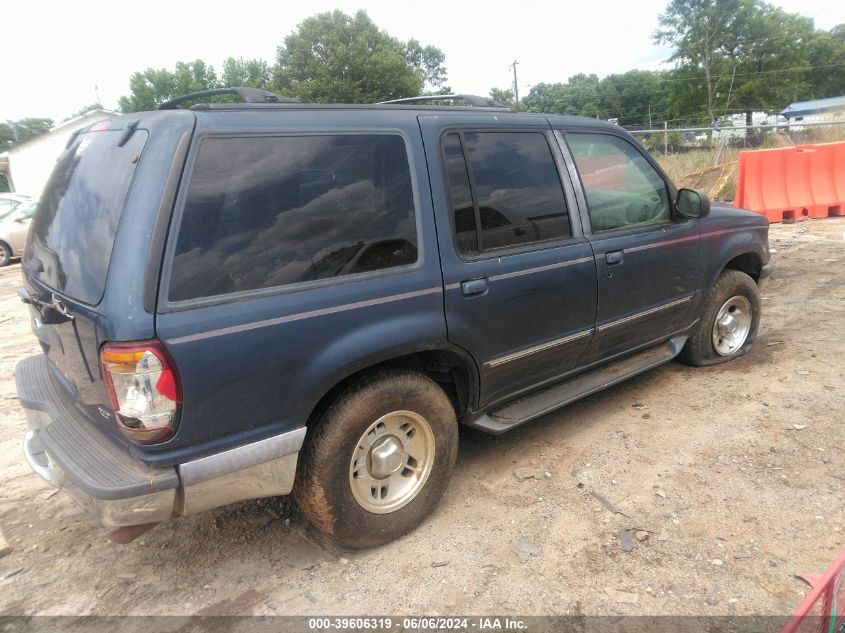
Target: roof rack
(249,95)
(471,100)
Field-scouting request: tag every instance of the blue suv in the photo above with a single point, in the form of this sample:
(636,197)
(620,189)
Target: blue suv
(238,301)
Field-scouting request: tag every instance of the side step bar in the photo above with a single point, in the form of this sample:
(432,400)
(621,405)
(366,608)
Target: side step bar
(559,395)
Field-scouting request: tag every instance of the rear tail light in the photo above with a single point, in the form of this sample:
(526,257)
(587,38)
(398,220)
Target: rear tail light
(144,390)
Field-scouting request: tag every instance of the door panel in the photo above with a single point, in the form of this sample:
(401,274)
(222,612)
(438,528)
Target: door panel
(647,259)
(525,312)
(648,292)
(533,321)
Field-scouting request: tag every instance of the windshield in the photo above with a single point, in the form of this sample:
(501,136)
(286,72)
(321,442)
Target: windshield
(76,219)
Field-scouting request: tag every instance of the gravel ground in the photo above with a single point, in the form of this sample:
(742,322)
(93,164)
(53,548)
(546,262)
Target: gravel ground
(732,476)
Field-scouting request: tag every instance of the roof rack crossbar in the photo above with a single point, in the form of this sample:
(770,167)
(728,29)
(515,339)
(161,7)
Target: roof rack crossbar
(249,95)
(472,100)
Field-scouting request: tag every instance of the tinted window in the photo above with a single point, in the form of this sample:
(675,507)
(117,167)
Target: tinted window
(517,190)
(460,195)
(623,189)
(73,230)
(265,212)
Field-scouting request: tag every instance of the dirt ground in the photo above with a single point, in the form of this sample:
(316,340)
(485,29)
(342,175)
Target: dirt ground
(735,474)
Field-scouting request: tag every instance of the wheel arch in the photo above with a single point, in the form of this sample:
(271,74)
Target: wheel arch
(449,366)
(749,262)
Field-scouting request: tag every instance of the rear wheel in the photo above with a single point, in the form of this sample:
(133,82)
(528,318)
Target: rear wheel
(5,254)
(378,459)
(729,321)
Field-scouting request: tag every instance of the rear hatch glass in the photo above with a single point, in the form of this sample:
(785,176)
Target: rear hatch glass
(72,234)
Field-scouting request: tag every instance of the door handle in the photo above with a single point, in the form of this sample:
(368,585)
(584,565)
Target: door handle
(474,287)
(613,258)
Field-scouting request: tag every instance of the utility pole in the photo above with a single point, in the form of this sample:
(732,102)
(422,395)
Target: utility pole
(515,86)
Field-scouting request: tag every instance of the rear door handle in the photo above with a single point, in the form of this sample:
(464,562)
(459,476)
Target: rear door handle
(474,287)
(614,258)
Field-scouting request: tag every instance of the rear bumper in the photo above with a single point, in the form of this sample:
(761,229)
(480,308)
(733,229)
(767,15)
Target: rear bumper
(84,461)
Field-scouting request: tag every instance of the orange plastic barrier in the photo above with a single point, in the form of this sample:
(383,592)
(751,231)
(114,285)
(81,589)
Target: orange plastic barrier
(793,183)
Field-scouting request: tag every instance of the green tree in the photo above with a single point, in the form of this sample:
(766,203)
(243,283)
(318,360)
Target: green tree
(152,87)
(505,97)
(428,62)
(703,32)
(251,73)
(735,55)
(581,95)
(15,132)
(638,97)
(771,60)
(826,61)
(338,58)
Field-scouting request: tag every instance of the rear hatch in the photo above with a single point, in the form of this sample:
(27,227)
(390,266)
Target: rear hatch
(68,253)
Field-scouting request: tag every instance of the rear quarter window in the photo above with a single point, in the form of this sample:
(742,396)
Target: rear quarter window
(273,211)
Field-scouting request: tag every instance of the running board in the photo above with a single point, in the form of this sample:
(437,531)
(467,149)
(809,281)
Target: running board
(559,395)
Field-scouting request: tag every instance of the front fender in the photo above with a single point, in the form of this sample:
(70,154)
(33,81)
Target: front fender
(720,246)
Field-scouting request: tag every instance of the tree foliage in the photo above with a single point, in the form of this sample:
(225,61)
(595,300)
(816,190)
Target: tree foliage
(728,56)
(250,73)
(826,61)
(741,55)
(339,58)
(152,87)
(636,97)
(505,97)
(16,132)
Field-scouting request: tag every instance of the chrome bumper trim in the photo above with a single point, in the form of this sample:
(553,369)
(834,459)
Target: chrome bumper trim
(205,468)
(262,469)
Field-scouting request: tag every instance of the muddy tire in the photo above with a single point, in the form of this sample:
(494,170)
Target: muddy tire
(729,321)
(5,255)
(378,458)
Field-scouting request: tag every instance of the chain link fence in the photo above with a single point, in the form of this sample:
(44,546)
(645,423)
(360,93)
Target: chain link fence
(706,158)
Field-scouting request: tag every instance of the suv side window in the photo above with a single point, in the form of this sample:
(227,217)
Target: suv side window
(623,190)
(271,211)
(504,189)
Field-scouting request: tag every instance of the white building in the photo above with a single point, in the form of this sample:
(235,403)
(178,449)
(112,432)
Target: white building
(817,111)
(28,165)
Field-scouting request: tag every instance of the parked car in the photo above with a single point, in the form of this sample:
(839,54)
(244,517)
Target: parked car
(8,201)
(14,226)
(238,301)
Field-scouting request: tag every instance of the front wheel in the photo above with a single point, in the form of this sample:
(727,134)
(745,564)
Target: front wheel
(378,459)
(729,321)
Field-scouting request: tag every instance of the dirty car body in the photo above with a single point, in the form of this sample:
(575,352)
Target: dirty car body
(204,282)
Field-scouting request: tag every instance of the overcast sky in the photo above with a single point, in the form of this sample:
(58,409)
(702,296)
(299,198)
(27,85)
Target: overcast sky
(54,53)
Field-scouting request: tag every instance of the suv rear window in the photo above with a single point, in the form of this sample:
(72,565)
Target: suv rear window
(270,211)
(72,233)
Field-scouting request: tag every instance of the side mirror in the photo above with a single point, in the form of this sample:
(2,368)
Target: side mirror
(692,204)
